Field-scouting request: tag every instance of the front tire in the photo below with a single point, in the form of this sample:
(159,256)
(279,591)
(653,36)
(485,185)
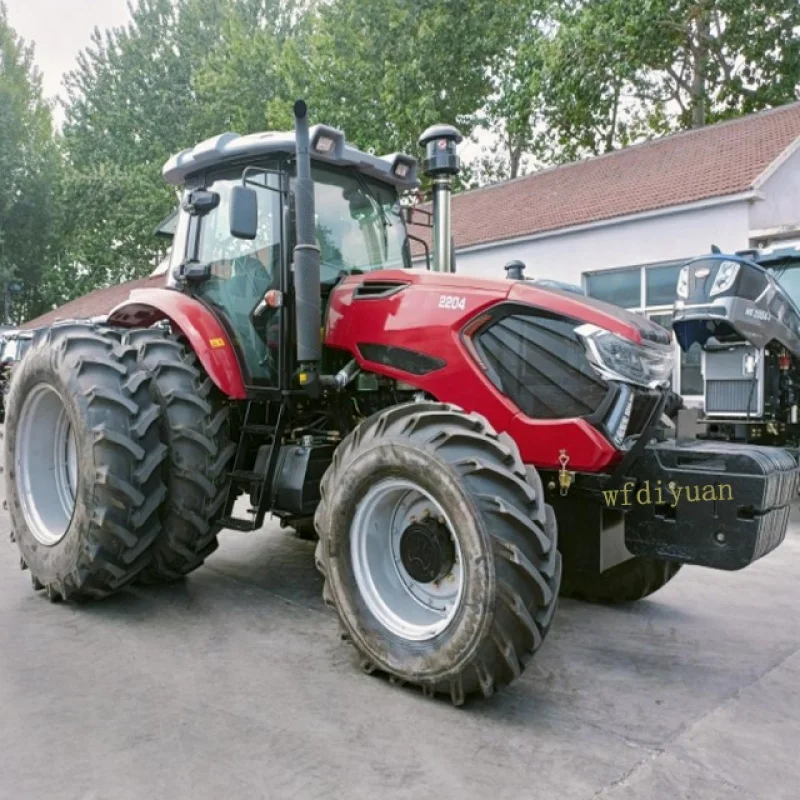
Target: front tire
(424,489)
(83,463)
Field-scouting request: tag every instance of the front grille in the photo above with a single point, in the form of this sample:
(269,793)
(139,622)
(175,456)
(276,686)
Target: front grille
(731,396)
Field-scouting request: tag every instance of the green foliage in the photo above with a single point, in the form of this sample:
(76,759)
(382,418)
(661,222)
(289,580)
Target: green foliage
(384,70)
(29,163)
(621,70)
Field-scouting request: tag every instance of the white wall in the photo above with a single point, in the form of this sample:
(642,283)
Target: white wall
(781,204)
(566,256)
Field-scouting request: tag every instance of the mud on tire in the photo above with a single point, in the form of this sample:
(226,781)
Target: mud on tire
(195,427)
(511,566)
(85,518)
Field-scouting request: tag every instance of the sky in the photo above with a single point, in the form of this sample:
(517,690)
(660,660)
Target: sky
(60,29)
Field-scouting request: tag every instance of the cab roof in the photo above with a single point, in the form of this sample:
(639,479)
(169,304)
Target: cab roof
(327,145)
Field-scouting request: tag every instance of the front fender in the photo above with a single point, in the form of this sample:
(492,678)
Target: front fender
(204,332)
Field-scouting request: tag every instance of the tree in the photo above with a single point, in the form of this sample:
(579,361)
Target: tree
(247,82)
(721,58)
(621,70)
(131,104)
(385,70)
(29,165)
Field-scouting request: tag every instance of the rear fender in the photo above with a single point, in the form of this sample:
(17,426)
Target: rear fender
(204,332)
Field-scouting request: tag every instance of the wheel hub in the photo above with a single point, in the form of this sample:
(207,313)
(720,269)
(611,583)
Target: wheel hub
(407,559)
(427,550)
(46,465)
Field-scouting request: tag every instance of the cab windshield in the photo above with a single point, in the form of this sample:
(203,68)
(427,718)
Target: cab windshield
(359,224)
(789,279)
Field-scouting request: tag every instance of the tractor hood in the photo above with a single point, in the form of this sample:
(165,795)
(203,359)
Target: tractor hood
(723,299)
(472,294)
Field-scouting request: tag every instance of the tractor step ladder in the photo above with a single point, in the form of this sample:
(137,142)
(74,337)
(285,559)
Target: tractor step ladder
(257,483)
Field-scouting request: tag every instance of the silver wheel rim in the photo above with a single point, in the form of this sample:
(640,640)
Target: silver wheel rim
(409,609)
(46,465)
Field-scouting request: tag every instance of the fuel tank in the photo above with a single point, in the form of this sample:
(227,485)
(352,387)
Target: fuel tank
(422,328)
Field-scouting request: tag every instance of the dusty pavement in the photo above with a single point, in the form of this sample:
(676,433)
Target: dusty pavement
(235,684)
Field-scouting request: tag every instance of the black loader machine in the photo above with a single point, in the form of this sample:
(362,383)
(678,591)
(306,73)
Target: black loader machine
(437,429)
(741,310)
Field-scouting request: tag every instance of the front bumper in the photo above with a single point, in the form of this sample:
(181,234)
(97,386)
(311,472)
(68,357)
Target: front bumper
(728,506)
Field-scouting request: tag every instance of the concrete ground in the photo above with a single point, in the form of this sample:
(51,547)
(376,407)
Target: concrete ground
(235,684)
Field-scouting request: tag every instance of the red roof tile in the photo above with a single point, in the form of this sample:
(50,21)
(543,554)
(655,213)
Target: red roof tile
(685,167)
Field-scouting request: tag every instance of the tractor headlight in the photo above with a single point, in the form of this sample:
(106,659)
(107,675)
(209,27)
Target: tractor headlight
(726,275)
(682,289)
(619,359)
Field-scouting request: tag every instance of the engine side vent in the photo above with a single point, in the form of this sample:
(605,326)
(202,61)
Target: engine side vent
(401,358)
(378,289)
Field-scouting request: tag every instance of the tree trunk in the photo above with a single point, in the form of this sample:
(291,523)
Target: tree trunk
(699,47)
(612,128)
(515,157)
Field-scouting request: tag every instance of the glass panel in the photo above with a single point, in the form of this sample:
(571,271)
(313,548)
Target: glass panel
(622,287)
(789,279)
(691,376)
(660,283)
(359,226)
(242,271)
(178,249)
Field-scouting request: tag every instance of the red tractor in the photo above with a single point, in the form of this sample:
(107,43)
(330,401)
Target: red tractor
(435,429)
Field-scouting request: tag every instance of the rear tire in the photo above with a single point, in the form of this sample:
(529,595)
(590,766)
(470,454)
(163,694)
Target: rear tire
(83,463)
(632,580)
(195,427)
(491,507)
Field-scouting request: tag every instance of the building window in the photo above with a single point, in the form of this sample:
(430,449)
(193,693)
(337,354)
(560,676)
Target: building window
(622,287)
(660,283)
(650,290)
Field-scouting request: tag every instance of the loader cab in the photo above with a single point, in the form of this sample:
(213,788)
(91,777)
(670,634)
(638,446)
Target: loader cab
(235,235)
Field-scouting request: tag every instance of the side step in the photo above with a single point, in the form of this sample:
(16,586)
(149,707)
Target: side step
(236,524)
(257,483)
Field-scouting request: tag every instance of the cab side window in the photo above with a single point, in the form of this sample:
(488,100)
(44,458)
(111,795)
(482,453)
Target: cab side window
(241,271)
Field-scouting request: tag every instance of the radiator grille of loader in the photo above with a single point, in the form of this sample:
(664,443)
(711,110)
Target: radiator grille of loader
(731,397)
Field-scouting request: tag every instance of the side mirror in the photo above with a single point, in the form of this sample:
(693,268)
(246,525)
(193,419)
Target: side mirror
(244,212)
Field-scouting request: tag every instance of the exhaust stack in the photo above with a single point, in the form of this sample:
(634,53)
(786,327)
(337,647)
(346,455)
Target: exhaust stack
(441,163)
(306,259)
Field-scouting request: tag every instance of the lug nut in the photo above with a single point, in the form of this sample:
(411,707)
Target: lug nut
(720,537)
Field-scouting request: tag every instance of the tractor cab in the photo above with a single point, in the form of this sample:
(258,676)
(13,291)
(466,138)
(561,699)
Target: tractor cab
(235,236)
